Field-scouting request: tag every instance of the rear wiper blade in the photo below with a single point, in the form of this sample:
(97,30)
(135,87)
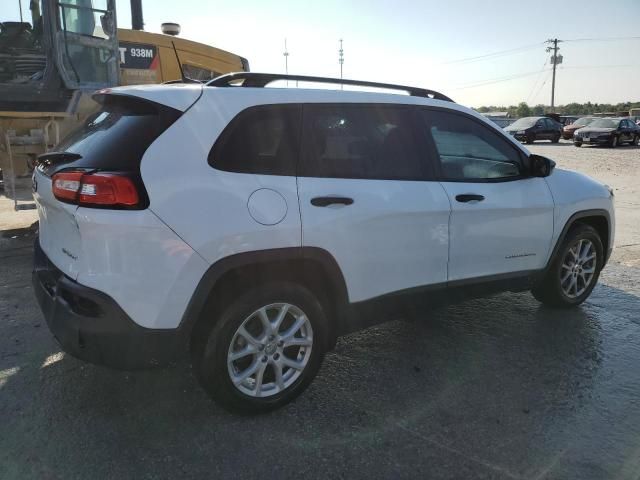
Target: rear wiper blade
(55,158)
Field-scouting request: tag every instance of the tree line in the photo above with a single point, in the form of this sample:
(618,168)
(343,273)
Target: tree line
(524,110)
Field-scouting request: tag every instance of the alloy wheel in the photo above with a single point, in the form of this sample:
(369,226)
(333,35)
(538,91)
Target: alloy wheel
(270,350)
(578,268)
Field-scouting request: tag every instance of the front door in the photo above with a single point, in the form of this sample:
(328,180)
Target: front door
(365,198)
(501,219)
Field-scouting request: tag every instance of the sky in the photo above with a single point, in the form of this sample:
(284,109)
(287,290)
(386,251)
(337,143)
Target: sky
(420,43)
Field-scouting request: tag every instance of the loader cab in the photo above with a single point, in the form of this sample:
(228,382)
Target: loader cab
(57,48)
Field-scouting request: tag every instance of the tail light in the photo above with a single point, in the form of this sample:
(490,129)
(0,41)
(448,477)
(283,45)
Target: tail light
(96,189)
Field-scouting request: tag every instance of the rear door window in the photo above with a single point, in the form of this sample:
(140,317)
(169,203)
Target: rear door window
(361,141)
(261,140)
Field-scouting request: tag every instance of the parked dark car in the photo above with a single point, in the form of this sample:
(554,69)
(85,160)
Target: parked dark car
(530,129)
(569,130)
(608,131)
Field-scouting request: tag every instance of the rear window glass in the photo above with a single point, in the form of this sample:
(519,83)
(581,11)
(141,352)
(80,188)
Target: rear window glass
(116,137)
(262,140)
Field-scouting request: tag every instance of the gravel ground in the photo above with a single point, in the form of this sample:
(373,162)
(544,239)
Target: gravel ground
(492,388)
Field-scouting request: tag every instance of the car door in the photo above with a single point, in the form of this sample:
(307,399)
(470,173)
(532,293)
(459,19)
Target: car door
(553,128)
(85,43)
(626,131)
(541,130)
(365,197)
(501,219)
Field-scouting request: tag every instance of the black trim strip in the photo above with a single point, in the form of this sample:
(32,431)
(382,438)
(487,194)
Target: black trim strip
(572,220)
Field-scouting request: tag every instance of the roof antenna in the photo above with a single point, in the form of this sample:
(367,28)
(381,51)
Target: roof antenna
(185,79)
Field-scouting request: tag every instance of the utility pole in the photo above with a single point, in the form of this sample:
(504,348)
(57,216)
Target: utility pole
(555,60)
(286,58)
(341,61)
(20,7)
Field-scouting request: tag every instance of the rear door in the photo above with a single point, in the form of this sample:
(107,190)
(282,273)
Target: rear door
(546,130)
(366,198)
(552,128)
(501,219)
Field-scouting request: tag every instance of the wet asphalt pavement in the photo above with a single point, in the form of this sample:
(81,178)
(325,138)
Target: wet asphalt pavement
(493,388)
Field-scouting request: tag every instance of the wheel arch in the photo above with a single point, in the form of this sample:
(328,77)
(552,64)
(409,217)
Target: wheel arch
(315,268)
(599,219)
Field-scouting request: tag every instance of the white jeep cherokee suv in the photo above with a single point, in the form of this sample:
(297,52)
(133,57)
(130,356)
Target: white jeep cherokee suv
(250,226)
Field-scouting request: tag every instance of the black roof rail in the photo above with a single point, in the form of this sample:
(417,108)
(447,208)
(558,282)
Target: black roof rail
(259,80)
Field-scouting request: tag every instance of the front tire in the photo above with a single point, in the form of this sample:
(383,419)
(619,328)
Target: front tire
(530,139)
(635,141)
(574,271)
(577,144)
(614,142)
(556,139)
(263,349)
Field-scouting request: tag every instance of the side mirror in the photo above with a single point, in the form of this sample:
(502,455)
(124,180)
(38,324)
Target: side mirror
(540,166)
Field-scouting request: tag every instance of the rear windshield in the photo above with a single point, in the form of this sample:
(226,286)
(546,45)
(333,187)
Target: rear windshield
(116,137)
(524,122)
(604,123)
(581,122)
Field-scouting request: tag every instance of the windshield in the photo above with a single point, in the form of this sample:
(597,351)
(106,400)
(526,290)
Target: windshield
(581,122)
(604,123)
(526,122)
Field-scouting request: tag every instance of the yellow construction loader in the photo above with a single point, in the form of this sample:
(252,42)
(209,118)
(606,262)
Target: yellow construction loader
(60,52)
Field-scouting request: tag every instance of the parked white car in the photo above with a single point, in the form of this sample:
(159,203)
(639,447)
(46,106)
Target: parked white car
(251,226)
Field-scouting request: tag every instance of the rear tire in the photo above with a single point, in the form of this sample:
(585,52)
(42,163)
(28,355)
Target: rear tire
(570,279)
(283,357)
(577,144)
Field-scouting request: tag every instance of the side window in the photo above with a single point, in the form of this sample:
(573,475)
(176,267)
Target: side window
(198,73)
(261,140)
(549,123)
(360,141)
(469,151)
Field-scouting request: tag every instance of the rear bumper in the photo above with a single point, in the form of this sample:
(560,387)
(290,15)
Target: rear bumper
(91,326)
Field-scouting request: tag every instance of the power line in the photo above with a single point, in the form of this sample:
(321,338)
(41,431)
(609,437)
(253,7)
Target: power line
(523,48)
(537,80)
(541,87)
(603,39)
(497,80)
(599,66)
(495,54)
